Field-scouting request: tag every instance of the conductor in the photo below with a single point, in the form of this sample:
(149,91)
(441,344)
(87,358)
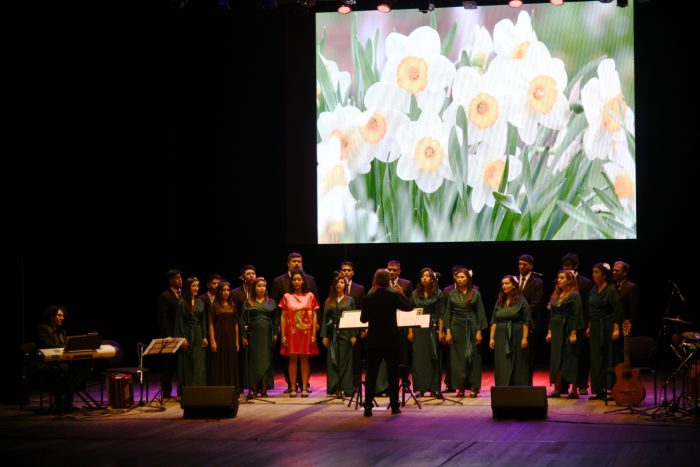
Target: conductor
(383,336)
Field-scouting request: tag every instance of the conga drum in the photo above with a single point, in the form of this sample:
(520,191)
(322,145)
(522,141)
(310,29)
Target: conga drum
(120,390)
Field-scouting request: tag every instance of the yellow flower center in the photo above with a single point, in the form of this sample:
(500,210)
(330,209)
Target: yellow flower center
(412,74)
(542,94)
(334,177)
(344,143)
(374,130)
(428,154)
(483,110)
(624,187)
(613,113)
(493,173)
(520,50)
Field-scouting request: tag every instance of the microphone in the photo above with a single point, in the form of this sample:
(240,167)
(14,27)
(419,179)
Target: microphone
(677,290)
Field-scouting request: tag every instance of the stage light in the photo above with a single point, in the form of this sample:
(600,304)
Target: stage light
(427,6)
(469,4)
(384,6)
(556,2)
(345,6)
(515,3)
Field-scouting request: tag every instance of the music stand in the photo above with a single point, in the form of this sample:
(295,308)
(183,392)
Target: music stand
(252,386)
(439,395)
(162,346)
(410,319)
(350,319)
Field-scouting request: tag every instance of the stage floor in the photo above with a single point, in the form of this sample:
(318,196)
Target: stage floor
(309,431)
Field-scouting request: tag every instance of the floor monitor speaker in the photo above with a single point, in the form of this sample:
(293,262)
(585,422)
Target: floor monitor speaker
(209,401)
(519,402)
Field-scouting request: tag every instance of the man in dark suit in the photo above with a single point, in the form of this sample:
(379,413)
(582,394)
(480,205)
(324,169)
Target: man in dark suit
(570,261)
(240,295)
(629,292)
(281,285)
(357,292)
(629,296)
(532,288)
(166,310)
(383,336)
(396,282)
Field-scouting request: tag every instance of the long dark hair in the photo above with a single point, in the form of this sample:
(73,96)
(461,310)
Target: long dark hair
(516,295)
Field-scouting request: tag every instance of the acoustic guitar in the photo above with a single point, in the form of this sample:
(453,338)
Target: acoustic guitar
(628,389)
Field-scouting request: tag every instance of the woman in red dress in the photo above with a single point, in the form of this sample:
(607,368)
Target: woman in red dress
(298,326)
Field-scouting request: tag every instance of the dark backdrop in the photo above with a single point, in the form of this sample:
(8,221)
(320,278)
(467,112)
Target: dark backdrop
(153,137)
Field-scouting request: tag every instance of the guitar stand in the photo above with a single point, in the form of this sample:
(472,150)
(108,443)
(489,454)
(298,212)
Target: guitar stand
(628,409)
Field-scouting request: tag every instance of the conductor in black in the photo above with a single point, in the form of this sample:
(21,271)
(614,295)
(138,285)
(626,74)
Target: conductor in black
(383,336)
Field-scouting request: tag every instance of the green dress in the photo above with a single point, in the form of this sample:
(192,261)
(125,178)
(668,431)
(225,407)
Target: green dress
(191,363)
(339,354)
(511,361)
(259,323)
(567,316)
(604,309)
(426,367)
(463,317)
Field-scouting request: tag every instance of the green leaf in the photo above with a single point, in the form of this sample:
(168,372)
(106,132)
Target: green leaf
(414,111)
(610,202)
(449,40)
(586,216)
(508,224)
(463,60)
(507,201)
(455,159)
(512,139)
(586,72)
(325,83)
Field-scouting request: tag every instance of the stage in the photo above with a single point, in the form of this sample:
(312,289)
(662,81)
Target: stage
(304,431)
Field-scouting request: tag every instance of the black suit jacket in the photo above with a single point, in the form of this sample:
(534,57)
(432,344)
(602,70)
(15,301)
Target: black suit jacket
(533,293)
(407,286)
(379,310)
(167,308)
(629,294)
(357,292)
(584,288)
(282,284)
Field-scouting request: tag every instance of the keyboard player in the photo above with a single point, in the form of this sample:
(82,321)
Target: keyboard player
(62,374)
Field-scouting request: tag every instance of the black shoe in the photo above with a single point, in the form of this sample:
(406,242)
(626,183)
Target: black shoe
(395,411)
(368,412)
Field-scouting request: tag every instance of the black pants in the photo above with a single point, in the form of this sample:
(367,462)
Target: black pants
(374,359)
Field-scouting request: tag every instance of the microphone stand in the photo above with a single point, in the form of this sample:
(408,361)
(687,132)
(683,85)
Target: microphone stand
(439,395)
(139,350)
(252,385)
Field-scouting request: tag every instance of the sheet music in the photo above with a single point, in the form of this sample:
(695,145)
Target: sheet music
(165,345)
(351,320)
(407,319)
(423,320)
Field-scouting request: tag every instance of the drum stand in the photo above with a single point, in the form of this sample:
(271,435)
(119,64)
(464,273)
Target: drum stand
(669,408)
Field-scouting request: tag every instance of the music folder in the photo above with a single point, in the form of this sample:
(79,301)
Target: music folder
(164,345)
(414,318)
(84,342)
